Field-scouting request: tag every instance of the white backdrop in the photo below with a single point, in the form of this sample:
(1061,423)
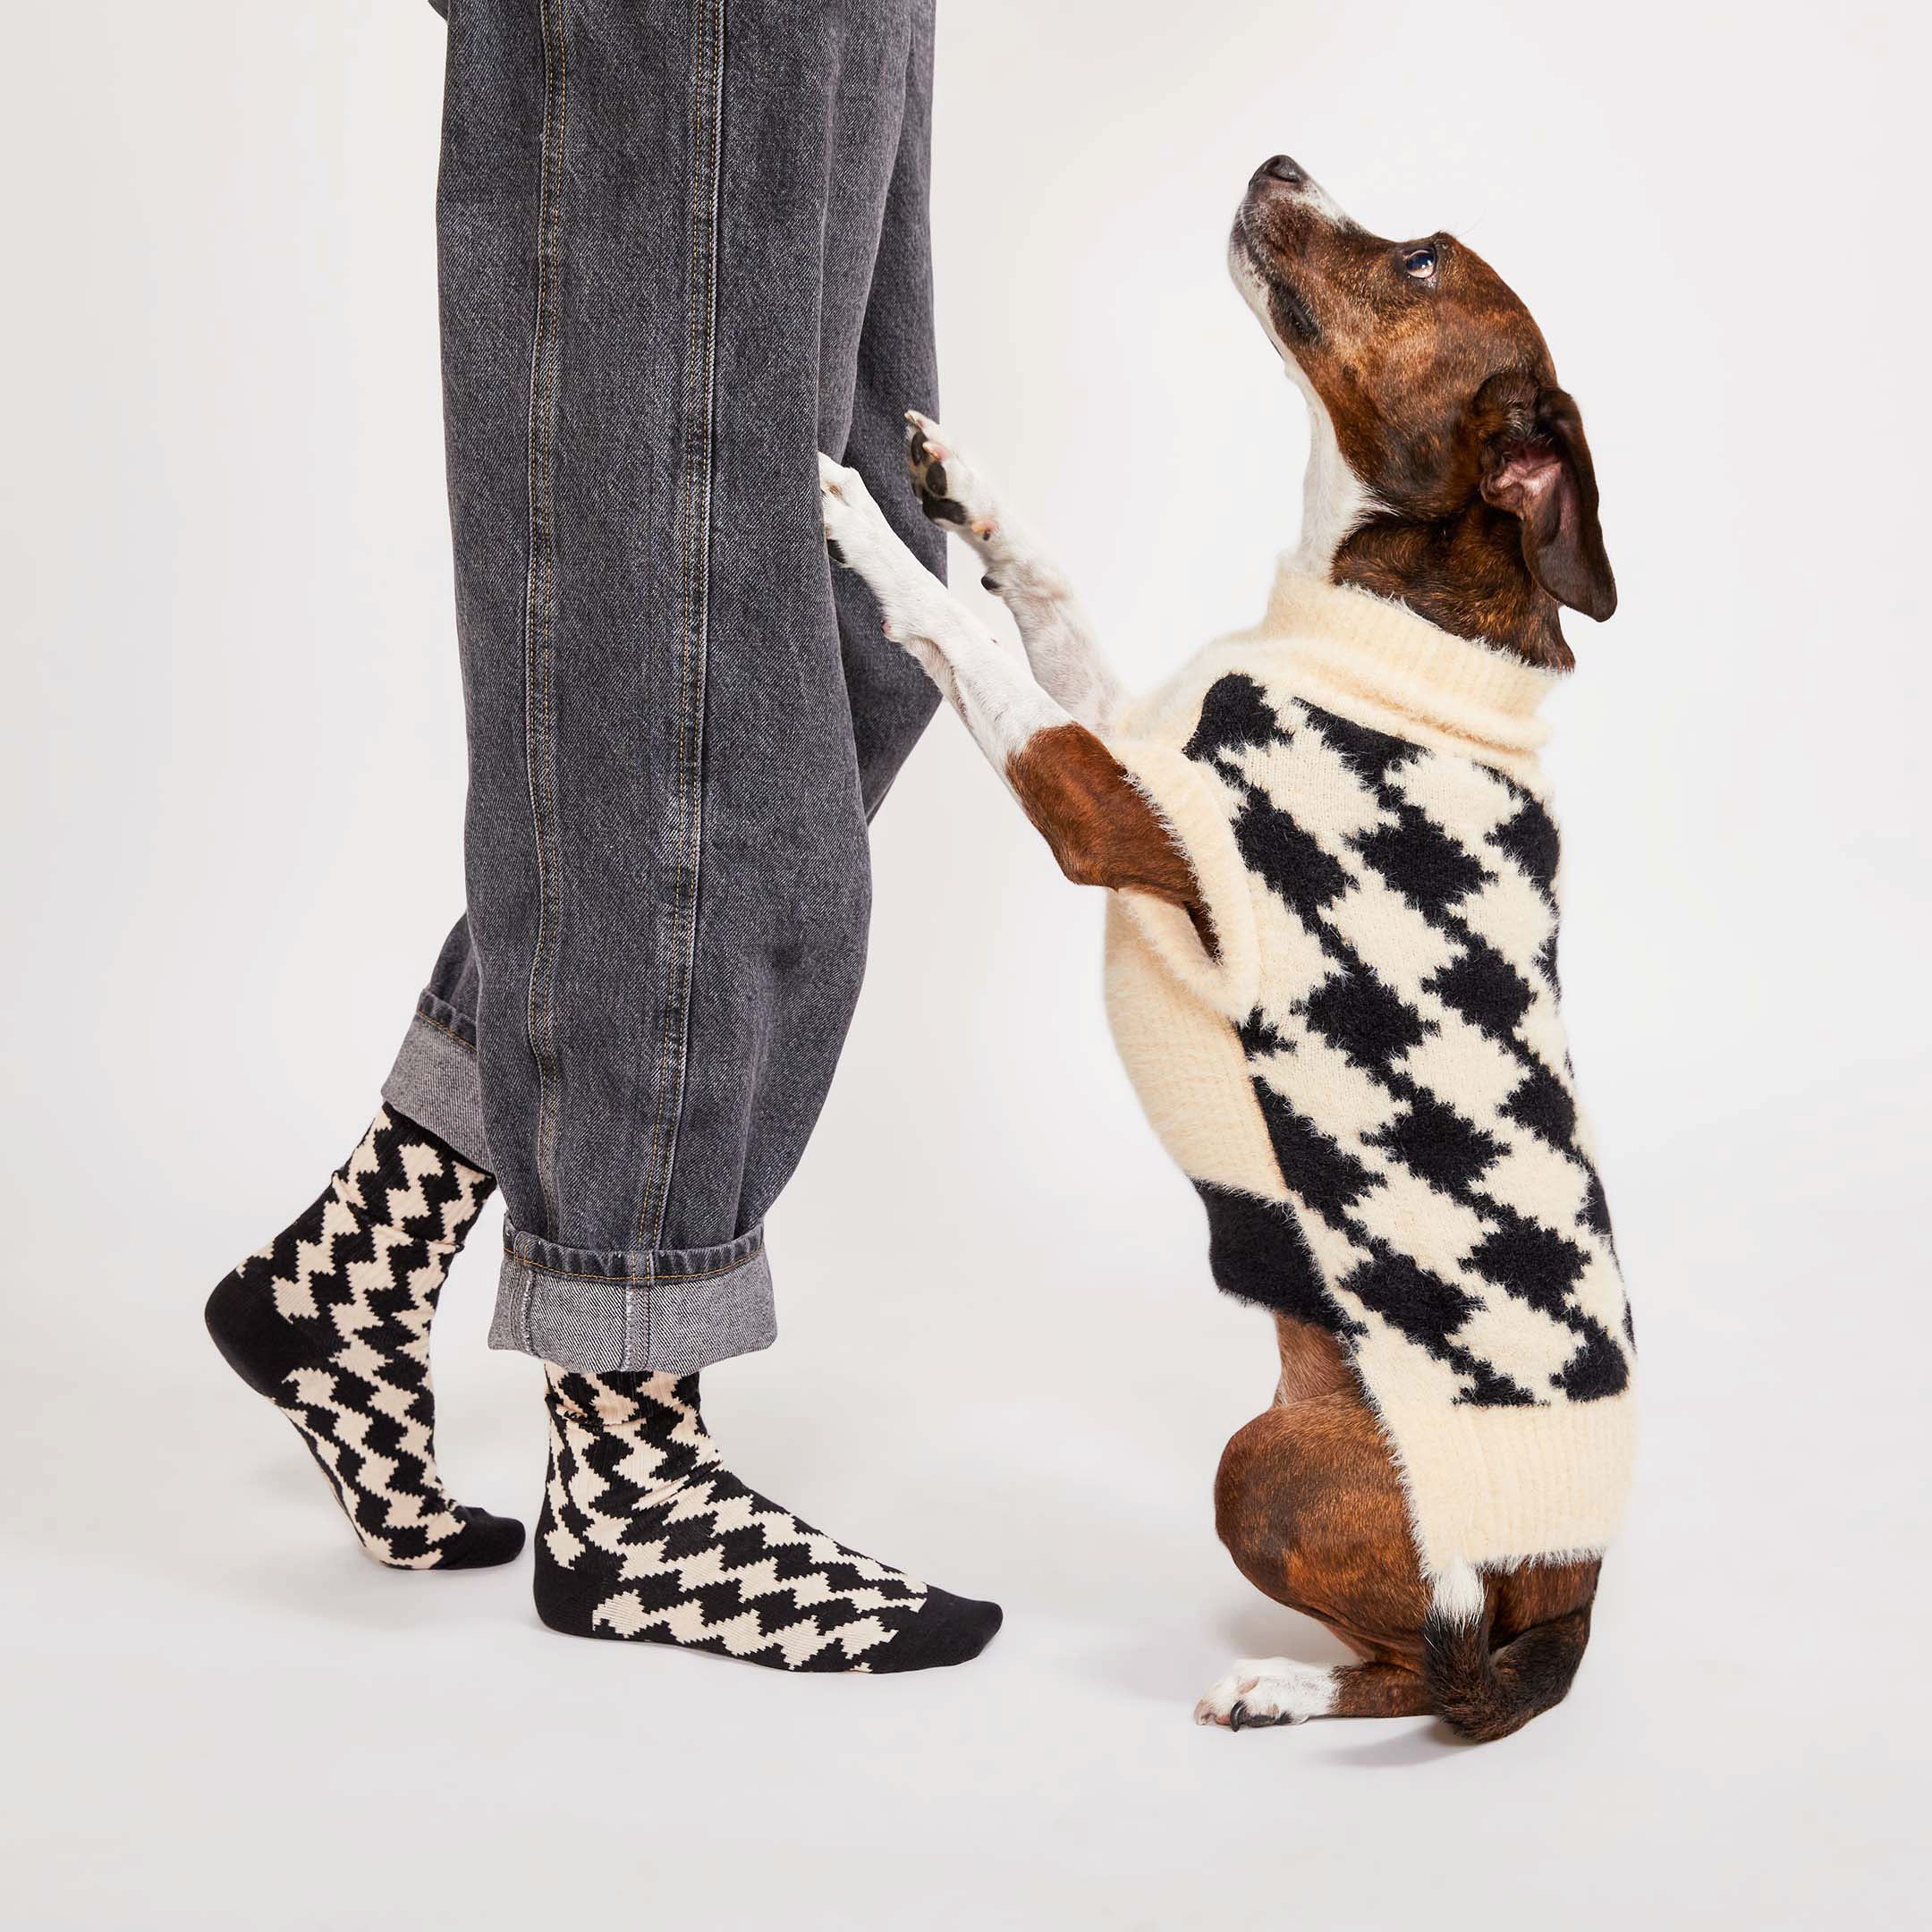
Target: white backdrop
(233,767)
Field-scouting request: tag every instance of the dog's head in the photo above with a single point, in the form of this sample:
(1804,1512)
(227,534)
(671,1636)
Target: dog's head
(1445,451)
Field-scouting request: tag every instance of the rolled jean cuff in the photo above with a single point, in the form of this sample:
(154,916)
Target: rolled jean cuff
(434,1081)
(674,1312)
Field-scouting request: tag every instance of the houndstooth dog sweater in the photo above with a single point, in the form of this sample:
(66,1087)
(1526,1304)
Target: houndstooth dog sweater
(1367,1078)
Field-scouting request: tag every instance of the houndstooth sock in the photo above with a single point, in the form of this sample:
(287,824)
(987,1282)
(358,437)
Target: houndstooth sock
(647,1535)
(331,1322)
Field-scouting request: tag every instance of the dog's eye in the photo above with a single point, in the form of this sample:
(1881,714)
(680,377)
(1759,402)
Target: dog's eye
(1420,262)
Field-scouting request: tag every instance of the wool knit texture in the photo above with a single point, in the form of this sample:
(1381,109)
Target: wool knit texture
(1366,1076)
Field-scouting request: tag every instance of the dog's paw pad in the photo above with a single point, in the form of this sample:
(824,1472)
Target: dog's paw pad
(948,490)
(1260,1691)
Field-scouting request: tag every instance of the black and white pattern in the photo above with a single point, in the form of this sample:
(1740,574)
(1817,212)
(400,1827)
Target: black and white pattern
(331,1322)
(646,1535)
(1409,1060)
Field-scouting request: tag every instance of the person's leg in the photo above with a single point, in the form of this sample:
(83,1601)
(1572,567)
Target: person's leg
(435,1081)
(330,1320)
(668,867)
(659,233)
(891,700)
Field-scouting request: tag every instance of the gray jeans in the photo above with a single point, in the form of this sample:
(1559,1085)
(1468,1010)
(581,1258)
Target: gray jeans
(682,247)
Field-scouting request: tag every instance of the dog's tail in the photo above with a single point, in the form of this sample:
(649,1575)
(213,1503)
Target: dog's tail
(1483,1693)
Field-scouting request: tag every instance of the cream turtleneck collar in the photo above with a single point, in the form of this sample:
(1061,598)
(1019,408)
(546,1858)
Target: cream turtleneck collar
(1386,654)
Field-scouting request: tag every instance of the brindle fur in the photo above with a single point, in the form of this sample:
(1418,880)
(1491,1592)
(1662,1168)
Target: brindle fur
(1482,518)
(1436,391)
(1309,1505)
(1100,827)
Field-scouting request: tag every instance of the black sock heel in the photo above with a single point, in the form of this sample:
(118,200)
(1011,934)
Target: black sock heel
(254,1340)
(566,1600)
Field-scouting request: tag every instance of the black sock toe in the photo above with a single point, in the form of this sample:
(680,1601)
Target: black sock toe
(483,1542)
(947,1629)
(647,1537)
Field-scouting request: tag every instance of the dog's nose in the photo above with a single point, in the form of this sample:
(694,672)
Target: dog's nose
(1282,168)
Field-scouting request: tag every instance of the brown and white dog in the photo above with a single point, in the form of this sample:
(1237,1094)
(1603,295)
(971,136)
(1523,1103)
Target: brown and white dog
(1449,474)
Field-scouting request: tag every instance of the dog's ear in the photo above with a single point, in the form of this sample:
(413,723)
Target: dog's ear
(1100,823)
(1536,465)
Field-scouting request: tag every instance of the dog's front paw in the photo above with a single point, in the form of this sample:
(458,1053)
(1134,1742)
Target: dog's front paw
(950,490)
(1267,1690)
(852,522)
(858,537)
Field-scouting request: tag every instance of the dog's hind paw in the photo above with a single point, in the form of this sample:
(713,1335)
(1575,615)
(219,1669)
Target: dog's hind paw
(950,489)
(1267,1690)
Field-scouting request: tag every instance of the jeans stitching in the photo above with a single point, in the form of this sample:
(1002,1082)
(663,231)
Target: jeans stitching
(533,1269)
(468,1046)
(695,513)
(540,601)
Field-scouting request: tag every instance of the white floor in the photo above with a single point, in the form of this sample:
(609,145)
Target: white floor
(220,1714)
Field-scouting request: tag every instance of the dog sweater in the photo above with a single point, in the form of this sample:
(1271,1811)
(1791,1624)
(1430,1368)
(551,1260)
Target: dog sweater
(1366,1075)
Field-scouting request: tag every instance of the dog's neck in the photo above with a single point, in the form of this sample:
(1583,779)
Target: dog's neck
(1464,572)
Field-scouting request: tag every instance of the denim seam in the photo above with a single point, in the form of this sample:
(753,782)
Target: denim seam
(707,58)
(468,1046)
(678,1332)
(647,1281)
(539,615)
(632,1284)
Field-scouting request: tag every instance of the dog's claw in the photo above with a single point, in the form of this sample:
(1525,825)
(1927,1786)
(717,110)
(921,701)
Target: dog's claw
(1261,1693)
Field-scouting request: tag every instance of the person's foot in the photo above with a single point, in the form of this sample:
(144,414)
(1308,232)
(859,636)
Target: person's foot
(647,1536)
(330,1321)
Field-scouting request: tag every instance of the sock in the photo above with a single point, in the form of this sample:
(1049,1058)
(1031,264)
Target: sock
(330,1321)
(646,1535)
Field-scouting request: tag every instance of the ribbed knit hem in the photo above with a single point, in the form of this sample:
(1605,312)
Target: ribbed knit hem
(674,1312)
(434,1081)
(1502,1486)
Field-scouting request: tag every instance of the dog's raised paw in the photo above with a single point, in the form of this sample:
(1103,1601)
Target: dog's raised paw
(948,489)
(1258,1692)
(910,599)
(854,525)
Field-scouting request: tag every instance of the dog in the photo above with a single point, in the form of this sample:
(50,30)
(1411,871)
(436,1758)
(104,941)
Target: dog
(1332,965)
